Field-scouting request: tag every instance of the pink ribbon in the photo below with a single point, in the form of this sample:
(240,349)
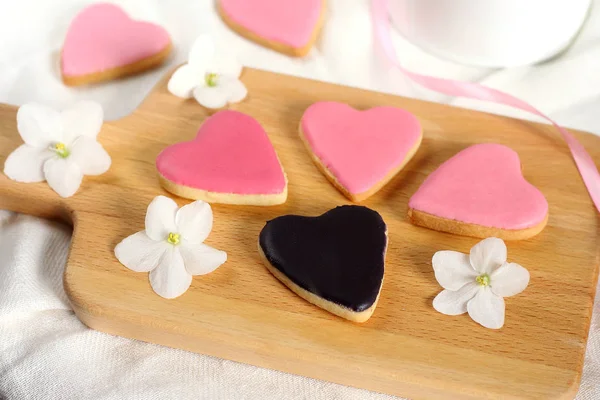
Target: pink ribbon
(584,162)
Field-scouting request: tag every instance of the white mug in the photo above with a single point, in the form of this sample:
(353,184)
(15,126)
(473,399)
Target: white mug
(490,33)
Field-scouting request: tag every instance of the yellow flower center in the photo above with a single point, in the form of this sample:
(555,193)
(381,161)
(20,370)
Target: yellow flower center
(61,149)
(483,280)
(173,238)
(211,79)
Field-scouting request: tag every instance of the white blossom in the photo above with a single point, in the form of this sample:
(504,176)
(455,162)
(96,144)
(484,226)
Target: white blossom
(60,147)
(210,76)
(477,283)
(171,247)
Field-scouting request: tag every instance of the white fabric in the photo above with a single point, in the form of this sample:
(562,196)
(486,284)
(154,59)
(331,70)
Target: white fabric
(46,353)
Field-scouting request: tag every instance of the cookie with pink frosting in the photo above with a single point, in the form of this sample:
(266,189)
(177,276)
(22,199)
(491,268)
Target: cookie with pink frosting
(480,192)
(104,43)
(359,151)
(290,27)
(230,161)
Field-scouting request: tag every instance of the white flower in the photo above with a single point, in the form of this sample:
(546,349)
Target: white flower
(211,77)
(60,147)
(171,247)
(477,283)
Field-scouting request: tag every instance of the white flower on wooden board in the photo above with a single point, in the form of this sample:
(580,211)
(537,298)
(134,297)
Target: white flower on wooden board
(60,147)
(478,282)
(171,247)
(210,76)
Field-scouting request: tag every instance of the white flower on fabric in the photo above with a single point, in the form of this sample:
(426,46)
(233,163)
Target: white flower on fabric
(477,283)
(60,147)
(211,77)
(171,247)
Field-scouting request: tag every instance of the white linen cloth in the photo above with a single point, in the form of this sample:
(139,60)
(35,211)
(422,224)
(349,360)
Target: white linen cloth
(46,353)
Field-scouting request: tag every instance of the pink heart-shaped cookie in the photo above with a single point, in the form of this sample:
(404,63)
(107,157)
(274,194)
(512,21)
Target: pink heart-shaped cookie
(103,43)
(359,151)
(290,27)
(230,161)
(480,192)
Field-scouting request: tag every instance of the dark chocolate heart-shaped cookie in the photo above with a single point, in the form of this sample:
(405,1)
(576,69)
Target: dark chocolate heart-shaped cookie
(334,261)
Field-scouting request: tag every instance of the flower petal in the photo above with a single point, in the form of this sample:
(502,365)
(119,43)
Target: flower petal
(488,255)
(38,125)
(455,302)
(90,156)
(170,279)
(236,89)
(139,253)
(26,163)
(85,118)
(63,176)
(183,81)
(509,279)
(202,53)
(200,259)
(160,218)
(194,221)
(212,97)
(225,64)
(487,309)
(453,269)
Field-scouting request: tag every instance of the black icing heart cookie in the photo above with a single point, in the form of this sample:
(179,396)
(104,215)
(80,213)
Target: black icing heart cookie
(334,261)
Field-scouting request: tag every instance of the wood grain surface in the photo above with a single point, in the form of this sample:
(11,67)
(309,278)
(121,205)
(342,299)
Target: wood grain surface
(242,313)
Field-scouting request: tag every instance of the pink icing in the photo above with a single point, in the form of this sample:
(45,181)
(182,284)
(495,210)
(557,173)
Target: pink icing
(360,148)
(482,185)
(230,154)
(102,37)
(288,22)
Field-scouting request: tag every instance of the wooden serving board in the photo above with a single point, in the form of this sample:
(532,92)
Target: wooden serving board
(242,313)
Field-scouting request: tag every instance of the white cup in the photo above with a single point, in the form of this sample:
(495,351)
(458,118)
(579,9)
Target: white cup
(490,33)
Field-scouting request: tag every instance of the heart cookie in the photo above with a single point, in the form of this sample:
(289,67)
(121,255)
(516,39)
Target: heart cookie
(290,27)
(230,161)
(480,192)
(359,151)
(335,261)
(103,43)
